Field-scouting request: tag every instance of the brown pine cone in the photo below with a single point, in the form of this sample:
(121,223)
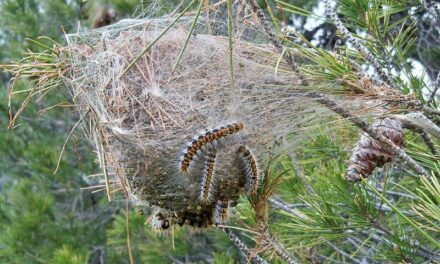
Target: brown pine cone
(369,153)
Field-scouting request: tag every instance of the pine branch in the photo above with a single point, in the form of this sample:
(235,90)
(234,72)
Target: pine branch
(397,151)
(434,90)
(242,247)
(398,194)
(346,114)
(428,141)
(343,253)
(285,207)
(424,252)
(293,205)
(408,220)
(425,136)
(300,172)
(269,240)
(357,44)
(273,36)
(379,69)
(362,245)
(384,208)
(330,104)
(431,112)
(432,8)
(420,121)
(373,221)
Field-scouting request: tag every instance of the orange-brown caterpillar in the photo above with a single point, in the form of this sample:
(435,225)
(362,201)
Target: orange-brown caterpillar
(205,139)
(221,212)
(206,187)
(250,169)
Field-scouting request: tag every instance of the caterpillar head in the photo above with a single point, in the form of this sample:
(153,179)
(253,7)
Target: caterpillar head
(160,221)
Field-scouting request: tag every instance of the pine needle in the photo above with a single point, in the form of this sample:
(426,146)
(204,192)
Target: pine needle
(67,139)
(193,26)
(230,42)
(146,49)
(409,221)
(107,181)
(127,224)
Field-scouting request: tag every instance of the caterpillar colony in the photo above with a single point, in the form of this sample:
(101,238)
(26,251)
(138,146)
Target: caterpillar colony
(146,101)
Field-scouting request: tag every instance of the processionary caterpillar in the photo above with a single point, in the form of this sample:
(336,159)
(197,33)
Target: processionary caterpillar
(206,186)
(250,168)
(207,138)
(220,212)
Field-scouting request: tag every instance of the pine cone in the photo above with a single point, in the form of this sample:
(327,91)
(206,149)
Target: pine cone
(369,154)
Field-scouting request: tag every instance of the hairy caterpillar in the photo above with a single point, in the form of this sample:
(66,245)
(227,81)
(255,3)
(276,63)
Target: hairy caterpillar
(160,221)
(220,212)
(250,168)
(205,139)
(206,185)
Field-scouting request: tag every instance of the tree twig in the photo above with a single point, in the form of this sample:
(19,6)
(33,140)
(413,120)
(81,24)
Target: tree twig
(300,172)
(343,253)
(398,194)
(434,90)
(425,136)
(357,44)
(397,151)
(419,120)
(426,253)
(272,36)
(242,247)
(279,249)
(285,207)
